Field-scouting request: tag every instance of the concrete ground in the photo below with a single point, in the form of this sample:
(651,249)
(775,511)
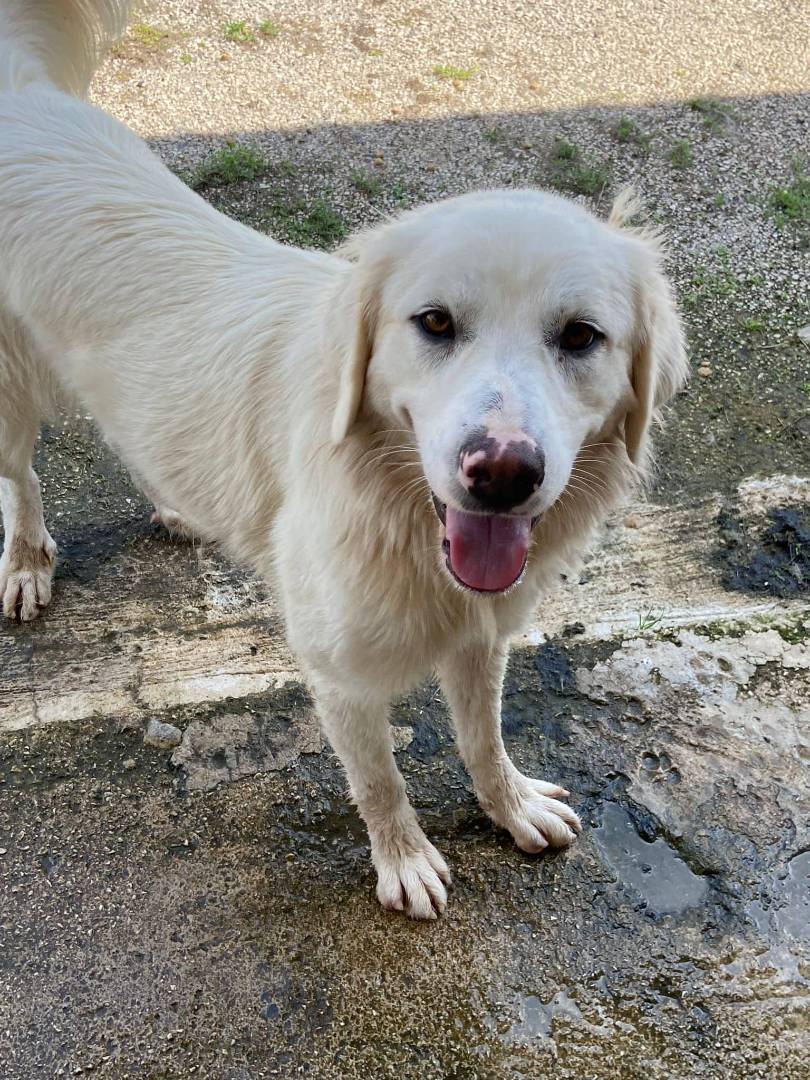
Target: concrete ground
(208,910)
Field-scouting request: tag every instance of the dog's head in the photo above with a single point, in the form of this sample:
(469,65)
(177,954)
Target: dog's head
(508,330)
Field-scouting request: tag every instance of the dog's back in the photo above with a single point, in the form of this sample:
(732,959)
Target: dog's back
(56,42)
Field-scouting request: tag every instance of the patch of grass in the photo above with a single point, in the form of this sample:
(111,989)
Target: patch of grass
(625,130)
(239,32)
(150,37)
(715,113)
(318,225)
(456,74)
(792,203)
(402,194)
(573,172)
(753,325)
(366,183)
(628,132)
(680,154)
(186,58)
(230,165)
(269,29)
(712,284)
(719,200)
(492,134)
(564,151)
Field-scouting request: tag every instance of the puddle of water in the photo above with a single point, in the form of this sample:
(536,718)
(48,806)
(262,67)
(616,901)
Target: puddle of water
(789,915)
(654,870)
(536,1019)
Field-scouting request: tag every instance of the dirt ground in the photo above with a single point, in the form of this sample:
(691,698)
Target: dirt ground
(208,910)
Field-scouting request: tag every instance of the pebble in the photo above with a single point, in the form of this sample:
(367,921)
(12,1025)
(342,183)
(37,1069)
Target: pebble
(704,370)
(632,521)
(804,333)
(129,763)
(162,736)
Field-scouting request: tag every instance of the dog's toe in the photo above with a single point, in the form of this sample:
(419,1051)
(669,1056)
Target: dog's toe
(412,876)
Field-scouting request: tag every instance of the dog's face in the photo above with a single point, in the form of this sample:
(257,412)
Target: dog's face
(508,331)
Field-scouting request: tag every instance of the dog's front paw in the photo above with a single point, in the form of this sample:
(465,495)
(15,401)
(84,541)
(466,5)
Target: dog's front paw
(25,577)
(531,811)
(411,874)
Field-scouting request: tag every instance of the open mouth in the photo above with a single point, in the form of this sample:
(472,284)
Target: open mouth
(484,552)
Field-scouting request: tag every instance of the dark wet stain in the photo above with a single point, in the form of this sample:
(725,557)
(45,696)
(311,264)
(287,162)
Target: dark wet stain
(775,561)
(85,551)
(554,668)
(653,870)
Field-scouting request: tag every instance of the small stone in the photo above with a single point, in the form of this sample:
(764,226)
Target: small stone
(401,737)
(430,167)
(632,521)
(3,850)
(704,370)
(804,334)
(129,763)
(162,736)
(534,84)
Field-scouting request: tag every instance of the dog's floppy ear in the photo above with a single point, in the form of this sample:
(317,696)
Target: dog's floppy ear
(659,364)
(354,343)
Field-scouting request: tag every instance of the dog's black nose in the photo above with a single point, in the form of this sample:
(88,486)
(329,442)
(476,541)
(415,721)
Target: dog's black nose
(500,475)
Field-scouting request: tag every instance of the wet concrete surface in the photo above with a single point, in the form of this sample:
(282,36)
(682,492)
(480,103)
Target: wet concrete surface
(209,910)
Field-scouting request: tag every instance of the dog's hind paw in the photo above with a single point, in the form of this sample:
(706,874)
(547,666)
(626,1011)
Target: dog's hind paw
(170,520)
(412,876)
(25,577)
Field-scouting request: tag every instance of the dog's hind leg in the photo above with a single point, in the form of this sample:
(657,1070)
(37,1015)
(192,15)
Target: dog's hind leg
(411,874)
(29,553)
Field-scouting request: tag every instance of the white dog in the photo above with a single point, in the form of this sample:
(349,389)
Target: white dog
(409,441)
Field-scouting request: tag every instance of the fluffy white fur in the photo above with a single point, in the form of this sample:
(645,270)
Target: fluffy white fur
(285,404)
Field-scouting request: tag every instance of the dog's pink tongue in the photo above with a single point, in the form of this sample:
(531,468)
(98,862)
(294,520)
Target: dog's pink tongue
(487,551)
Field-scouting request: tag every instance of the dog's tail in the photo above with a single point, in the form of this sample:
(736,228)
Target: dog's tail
(56,42)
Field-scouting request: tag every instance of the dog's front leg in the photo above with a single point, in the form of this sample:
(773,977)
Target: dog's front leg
(472,679)
(411,874)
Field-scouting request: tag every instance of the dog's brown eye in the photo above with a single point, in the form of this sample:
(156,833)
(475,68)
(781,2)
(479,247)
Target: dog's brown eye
(437,323)
(578,336)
